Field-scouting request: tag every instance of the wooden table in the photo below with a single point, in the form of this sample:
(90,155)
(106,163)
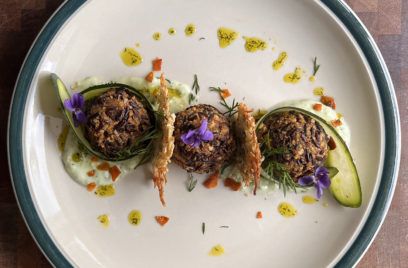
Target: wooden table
(21,20)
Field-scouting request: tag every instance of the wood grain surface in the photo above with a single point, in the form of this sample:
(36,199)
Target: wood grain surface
(21,20)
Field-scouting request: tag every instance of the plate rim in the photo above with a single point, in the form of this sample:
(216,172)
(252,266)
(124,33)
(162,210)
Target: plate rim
(351,22)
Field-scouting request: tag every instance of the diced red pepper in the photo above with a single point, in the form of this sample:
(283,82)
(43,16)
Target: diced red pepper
(232,184)
(162,220)
(317,107)
(157,64)
(328,101)
(149,77)
(91,186)
(225,93)
(114,172)
(212,180)
(336,123)
(104,166)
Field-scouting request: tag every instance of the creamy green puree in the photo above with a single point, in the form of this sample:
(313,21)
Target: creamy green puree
(80,165)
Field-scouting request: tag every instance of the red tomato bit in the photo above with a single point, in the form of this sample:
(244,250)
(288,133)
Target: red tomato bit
(114,172)
(162,220)
(157,64)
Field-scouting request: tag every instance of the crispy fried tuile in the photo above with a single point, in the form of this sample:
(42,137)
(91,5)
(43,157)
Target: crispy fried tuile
(251,163)
(165,145)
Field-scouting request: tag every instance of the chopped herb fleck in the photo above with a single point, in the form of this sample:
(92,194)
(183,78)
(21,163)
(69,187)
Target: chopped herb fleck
(316,66)
(203,227)
(231,109)
(196,86)
(191,182)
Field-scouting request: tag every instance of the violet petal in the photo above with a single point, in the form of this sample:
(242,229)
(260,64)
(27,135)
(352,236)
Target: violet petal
(324,181)
(68,105)
(80,116)
(321,171)
(203,127)
(306,180)
(207,136)
(319,190)
(77,100)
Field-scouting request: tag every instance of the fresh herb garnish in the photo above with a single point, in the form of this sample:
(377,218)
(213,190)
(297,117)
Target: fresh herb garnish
(196,86)
(231,109)
(203,227)
(277,173)
(316,66)
(191,182)
(191,98)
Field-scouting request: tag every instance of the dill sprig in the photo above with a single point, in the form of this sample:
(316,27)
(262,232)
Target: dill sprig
(191,182)
(274,171)
(231,109)
(277,173)
(316,66)
(196,86)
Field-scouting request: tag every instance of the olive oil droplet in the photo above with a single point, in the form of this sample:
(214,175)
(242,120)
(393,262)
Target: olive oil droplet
(157,36)
(287,210)
(226,36)
(135,217)
(217,250)
(104,220)
(105,190)
(130,57)
(190,29)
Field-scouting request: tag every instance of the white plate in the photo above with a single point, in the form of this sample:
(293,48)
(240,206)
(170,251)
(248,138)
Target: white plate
(89,42)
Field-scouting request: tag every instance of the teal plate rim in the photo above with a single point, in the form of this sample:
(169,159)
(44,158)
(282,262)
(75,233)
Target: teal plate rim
(343,13)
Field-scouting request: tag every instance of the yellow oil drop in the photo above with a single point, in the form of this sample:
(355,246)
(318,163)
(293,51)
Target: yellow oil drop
(312,78)
(217,250)
(137,44)
(76,157)
(294,77)
(307,199)
(135,217)
(287,210)
(325,204)
(62,138)
(318,91)
(171,31)
(253,44)
(105,190)
(190,29)
(280,61)
(226,36)
(104,220)
(130,57)
(157,36)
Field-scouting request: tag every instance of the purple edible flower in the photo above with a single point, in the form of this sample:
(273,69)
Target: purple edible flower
(76,105)
(320,179)
(196,136)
